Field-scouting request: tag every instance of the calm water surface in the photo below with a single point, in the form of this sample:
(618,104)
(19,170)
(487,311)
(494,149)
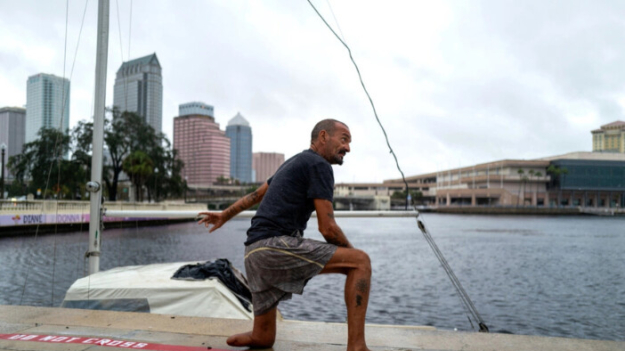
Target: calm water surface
(555,276)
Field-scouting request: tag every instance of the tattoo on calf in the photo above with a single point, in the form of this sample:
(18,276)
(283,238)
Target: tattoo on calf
(362,286)
(358,300)
(331,215)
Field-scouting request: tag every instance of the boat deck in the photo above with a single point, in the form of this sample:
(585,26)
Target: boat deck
(73,329)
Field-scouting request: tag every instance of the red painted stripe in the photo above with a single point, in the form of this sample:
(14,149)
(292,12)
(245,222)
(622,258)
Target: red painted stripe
(124,344)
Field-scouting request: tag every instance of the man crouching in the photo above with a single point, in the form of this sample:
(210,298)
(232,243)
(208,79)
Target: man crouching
(278,260)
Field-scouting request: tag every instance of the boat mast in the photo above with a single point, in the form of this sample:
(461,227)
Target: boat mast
(95,185)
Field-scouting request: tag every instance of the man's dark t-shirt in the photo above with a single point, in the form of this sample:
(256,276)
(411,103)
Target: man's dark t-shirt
(288,202)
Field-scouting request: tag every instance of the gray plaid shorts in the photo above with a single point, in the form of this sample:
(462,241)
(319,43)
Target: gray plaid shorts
(281,266)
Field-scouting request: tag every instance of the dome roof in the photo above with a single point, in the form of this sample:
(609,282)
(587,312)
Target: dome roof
(238,120)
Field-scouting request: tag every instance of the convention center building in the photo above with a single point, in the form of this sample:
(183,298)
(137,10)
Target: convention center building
(586,179)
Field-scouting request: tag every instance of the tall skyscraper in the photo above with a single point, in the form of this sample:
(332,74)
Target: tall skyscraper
(265,164)
(12,132)
(47,104)
(240,134)
(139,89)
(202,146)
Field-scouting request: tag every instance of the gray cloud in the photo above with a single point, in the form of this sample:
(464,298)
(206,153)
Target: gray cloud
(454,83)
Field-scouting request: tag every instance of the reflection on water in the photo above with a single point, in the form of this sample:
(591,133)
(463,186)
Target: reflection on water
(557,276)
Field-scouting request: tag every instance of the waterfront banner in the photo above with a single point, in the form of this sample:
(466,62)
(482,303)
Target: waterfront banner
(17,219)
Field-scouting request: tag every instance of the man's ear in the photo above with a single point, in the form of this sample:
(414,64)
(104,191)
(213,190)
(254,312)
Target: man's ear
(323,136)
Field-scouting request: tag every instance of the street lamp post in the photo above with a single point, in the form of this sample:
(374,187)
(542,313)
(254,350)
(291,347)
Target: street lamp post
(156,184)
(2,147)
(185,188)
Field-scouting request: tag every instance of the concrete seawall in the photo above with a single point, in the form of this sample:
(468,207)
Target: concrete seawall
(547,211)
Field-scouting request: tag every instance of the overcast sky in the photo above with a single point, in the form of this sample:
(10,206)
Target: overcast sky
(455,83)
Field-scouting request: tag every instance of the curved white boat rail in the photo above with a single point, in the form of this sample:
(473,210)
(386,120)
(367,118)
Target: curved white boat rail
(249,214)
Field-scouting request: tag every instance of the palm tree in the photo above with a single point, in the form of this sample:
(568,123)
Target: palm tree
(531,173)
(538,175)
(555,172)
(139,167)
(564,171)
(521,176)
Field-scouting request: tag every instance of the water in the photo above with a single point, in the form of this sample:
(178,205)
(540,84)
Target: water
(552,276)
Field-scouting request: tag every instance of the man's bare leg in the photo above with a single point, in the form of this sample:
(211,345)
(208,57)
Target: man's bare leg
(357,266)
(263,334)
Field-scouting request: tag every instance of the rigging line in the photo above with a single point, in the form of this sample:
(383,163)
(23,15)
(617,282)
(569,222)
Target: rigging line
(63,105)
(462,294)
(362,83)
(82,23)
(61,119)
(129,30)
(59,165)
(121,50)
(119,30)
(335,20)
(55,144)
(80,255)
(54,261)
(455,282)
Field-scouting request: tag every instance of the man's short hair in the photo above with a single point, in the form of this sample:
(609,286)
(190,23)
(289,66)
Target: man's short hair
(329,125)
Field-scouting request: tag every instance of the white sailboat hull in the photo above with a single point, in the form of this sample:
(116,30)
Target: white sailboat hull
(149,289)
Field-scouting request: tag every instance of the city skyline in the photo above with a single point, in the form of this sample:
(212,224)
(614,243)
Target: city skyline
(474,83)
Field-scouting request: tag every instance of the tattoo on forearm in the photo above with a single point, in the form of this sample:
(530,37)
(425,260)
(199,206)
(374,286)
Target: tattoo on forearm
(331,215)
(337,239)
(254,196)
(228,213)
(241,205)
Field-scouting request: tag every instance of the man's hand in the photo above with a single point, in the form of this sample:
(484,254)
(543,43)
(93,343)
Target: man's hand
(214,218)
(217,219)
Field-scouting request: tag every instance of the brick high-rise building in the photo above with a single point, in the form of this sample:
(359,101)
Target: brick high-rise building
(265,164)
(203,147)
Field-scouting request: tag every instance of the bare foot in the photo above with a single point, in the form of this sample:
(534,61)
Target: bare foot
(365,348)
(246,340)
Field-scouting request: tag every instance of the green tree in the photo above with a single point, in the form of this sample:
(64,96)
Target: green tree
(139,167)
(43,164)
(416,196)
(125,133)
(563,171)
(556,172)
(221,180)
(166,181)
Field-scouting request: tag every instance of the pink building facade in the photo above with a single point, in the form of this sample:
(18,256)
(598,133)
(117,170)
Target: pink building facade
(203,147)
(265,164)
